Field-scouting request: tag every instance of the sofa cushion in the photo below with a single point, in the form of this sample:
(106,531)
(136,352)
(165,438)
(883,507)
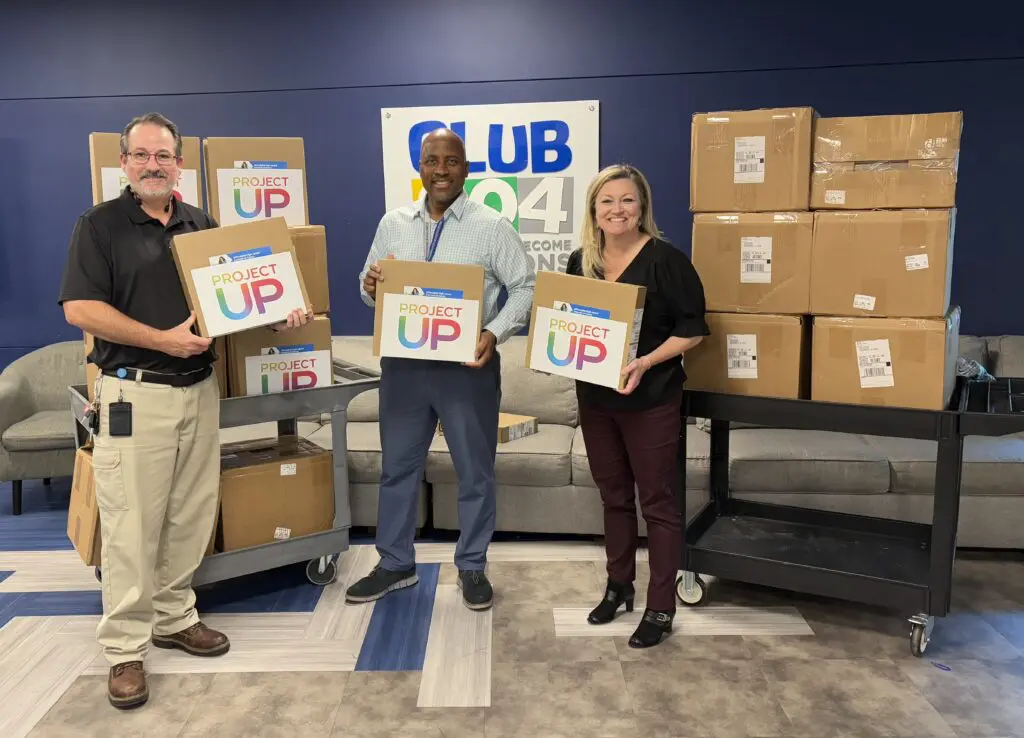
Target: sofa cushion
(547,397)
(784,460)
(540,460)
(973,347)
(358,350)
(698,449)
(1006,356)
(991,466)
(258,431)
(47,430)
(363,441)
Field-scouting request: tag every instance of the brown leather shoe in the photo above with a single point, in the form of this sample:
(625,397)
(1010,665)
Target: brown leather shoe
(126,685)
(197,640)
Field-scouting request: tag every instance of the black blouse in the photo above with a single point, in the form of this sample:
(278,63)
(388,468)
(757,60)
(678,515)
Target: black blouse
(674,306)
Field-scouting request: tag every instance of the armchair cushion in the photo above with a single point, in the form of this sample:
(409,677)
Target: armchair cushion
(48,430)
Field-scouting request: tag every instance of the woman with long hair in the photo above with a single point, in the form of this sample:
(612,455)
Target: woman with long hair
(632,434)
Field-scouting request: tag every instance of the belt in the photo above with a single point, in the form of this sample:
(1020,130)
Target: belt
(170,380)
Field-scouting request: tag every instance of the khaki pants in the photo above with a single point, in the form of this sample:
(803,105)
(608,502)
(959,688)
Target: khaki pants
(157,493)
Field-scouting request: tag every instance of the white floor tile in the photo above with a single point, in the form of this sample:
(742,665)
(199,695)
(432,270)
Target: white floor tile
(457,665)
(571,622)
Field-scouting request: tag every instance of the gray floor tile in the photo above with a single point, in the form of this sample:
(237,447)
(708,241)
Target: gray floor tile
(588,699)
(976,698)
(84,711)
(706,698)
(274,704)
(384,704)
(862,697)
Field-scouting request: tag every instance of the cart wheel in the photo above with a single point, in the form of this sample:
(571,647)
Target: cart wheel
(98,573)
(322,571)
(918,640)
(697,594)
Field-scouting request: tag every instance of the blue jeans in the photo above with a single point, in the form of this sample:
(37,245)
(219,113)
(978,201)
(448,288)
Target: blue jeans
(414,395)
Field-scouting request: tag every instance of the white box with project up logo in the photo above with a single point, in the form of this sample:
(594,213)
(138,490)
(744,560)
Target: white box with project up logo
(584,329)
(428,311)
(263,361)
(240,277)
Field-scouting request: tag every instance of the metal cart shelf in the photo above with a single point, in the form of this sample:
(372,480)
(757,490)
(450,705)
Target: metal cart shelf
(319,549)
(895,564)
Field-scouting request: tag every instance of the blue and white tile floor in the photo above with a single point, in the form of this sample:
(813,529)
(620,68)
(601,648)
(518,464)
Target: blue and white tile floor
(278,622)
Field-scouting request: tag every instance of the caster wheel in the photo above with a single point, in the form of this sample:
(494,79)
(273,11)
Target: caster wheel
(918,640)
(697,594)
(98,573)
(320,572)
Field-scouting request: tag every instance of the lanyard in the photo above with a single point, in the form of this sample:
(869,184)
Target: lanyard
(432,248)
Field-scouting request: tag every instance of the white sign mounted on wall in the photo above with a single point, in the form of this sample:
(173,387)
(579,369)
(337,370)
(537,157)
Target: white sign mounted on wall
(531,162)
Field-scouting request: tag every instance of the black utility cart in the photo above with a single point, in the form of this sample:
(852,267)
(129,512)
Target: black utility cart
(904,566)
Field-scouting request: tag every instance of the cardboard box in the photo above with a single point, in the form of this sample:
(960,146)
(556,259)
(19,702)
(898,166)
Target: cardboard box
(584,329)
(430,311)
(109,180)
(83,510)
(252,179)
(240,277)
(262,361)
(273,490)
(886,161)
(894,362)
(311,250)
(758,355)
(751,161)
(882,263)
(754,262)
(510,427)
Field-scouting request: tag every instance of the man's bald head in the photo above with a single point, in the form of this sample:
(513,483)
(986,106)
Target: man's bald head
(443,134)
(443,168)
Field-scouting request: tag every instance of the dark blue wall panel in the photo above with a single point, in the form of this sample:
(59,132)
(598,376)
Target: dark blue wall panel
(650,64)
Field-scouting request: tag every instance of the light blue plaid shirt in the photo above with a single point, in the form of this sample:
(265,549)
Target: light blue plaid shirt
(473,234)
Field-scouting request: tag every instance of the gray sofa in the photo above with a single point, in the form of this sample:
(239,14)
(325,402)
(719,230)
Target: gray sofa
(545,486)
(36,426)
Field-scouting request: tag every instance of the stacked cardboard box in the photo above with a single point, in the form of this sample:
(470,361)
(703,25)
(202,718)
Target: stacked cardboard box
(858,244)
(252,179)
(884,193)
(752,235)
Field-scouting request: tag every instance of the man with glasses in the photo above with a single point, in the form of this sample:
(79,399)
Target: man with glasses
(156,455)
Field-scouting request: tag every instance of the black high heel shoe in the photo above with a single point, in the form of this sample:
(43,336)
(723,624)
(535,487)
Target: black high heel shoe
(654,626)
(614,595)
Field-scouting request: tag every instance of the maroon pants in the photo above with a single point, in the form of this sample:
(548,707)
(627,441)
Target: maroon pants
(636,450)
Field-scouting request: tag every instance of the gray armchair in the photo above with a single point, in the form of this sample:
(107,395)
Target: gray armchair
(37,436)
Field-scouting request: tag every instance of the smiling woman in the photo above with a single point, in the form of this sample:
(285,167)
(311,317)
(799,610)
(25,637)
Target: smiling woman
(632,434)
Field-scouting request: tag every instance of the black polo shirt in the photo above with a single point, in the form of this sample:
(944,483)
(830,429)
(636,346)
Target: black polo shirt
(121,256)
(674,306)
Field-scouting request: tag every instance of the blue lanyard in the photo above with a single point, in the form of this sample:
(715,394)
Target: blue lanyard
(432,249)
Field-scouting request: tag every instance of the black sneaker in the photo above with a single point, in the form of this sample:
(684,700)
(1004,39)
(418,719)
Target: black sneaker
(378,583)
(476,590)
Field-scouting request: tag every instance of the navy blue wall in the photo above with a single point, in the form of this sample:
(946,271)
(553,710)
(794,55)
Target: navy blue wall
(324,73)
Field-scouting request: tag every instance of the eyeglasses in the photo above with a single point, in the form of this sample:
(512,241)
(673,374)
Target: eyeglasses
(163,158)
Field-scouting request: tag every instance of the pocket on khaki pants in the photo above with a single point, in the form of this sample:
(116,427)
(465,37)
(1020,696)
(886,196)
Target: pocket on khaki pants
(110,492)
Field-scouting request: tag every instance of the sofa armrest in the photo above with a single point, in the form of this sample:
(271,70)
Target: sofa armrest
(16,402)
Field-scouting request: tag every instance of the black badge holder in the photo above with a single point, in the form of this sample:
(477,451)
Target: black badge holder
(120,412)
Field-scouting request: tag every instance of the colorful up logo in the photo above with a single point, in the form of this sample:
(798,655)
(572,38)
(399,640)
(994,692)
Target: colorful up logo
(294,374)
(586,344)
(267,193)
(252,287)
(420,325)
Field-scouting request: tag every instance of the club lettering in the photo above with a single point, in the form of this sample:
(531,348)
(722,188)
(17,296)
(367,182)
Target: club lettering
(547,146)
(434,330)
